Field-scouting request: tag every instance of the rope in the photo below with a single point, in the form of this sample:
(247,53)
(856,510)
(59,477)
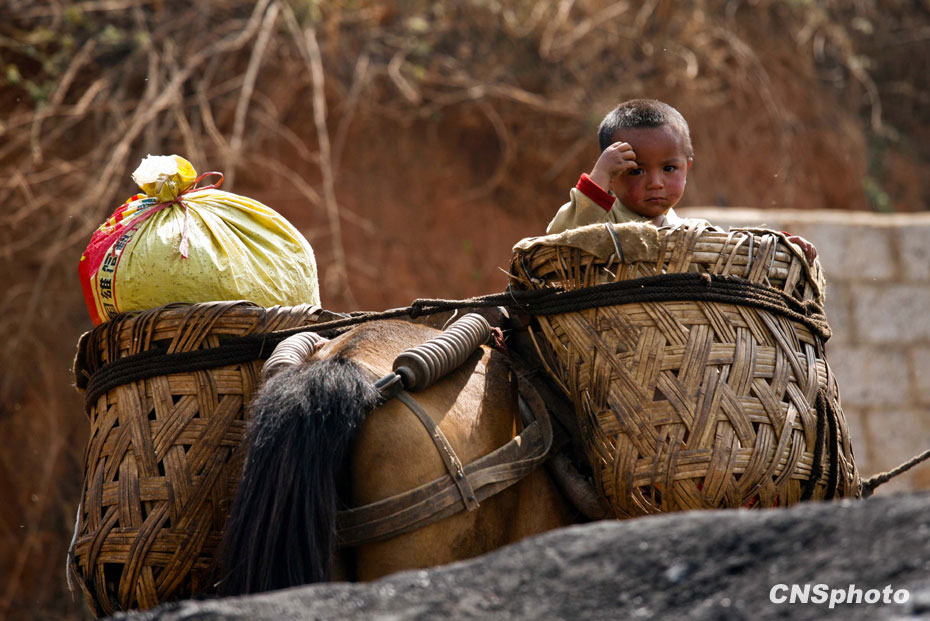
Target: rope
(157,362)
(869,485)
(833,478)
(662,288)
(677,287)
(550,301)
(817,467)
(826,414)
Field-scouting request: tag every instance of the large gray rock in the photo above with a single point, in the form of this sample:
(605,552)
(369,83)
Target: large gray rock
(698,565)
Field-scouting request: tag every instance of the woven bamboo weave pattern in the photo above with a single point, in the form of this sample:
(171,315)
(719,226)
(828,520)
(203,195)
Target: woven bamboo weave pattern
(688,404)
(164,454)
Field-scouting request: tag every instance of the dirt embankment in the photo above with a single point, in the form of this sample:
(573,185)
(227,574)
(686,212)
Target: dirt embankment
(413,143)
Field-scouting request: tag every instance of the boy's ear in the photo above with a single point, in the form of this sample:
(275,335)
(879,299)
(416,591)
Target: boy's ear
(690,161)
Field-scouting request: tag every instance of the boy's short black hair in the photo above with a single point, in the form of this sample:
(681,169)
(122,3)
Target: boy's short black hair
(643,113)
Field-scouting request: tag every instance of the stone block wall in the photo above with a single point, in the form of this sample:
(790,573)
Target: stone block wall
(878,304)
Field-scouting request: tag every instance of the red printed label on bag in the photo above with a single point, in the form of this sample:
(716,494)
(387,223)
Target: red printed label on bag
(99,263)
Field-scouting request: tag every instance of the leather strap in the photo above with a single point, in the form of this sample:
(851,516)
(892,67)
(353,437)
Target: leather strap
(442,497)
(453,464)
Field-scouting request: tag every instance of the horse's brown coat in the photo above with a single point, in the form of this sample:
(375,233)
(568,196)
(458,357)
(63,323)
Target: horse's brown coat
(476,408)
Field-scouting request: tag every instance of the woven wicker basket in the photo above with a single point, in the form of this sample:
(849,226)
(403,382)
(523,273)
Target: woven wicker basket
(688,403)
(164,454)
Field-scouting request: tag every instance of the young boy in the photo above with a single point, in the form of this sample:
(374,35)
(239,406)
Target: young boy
(641,173)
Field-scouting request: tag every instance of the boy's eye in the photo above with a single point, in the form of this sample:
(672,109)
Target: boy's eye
(635,171)
(671,168)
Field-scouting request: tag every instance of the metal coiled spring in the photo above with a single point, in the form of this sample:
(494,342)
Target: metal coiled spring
(420,366)
(292,351)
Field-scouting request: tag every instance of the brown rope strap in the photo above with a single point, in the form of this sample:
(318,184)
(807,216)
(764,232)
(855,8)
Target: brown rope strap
(155,362)
(826,415)
(680,287)
(158,361)
(441,497)
(690,286)
(869,485)
(664,287)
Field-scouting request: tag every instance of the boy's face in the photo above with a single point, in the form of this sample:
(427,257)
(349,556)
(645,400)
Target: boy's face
(658,181)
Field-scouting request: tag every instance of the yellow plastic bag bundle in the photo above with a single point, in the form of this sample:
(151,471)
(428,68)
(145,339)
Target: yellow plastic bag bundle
(181,243)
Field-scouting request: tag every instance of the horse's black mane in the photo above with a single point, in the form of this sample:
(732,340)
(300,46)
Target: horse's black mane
(303,420)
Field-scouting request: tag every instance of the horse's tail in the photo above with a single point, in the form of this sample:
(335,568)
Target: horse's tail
(281,530)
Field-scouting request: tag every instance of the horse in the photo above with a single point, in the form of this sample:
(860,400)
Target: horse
(321,440)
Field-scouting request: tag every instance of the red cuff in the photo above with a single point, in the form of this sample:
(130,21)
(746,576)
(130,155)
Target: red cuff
(595,192)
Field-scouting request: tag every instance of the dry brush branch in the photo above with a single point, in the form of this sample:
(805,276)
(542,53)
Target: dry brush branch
(310,49)
(248,86)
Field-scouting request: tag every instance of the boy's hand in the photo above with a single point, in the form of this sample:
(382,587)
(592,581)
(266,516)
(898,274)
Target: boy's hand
(810,252)
(614,160)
